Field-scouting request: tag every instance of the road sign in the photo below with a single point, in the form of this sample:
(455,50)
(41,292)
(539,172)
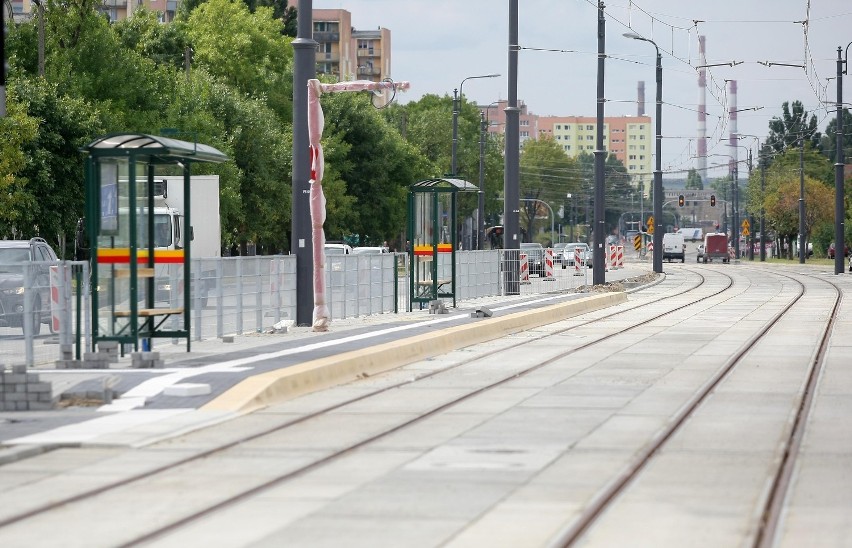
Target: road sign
(651,224)
(746,225)
(637,242)
(745,232)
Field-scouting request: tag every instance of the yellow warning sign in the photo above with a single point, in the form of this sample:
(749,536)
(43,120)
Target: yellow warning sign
(651,224)
(746,225)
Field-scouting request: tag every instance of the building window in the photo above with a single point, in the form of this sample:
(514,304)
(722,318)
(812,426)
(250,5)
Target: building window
(632,147)
(567,128)
(632,137)
(632,167)
(590,137)
(558,126)
(641,147)
(641,126)
(632,157)
(642,157)
(641,137)
(567,147)
(590,128)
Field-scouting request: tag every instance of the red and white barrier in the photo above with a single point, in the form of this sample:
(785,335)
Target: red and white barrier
(55,303)
(619,259)
(577,261)
(613,257)
(548,265)
(525,269)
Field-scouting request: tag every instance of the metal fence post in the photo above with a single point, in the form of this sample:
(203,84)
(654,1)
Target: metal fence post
(220,294)
(239,261)
(258,294)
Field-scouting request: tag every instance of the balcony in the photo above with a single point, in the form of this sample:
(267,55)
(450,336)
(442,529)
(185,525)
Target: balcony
(370,52)
(323,57)
(369,71)
(327,36)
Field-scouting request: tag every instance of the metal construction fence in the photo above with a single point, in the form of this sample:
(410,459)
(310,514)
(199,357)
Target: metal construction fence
(235,295)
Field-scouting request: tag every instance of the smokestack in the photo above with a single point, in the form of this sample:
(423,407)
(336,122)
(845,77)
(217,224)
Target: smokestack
(702,110)
(732,115)
(640,102)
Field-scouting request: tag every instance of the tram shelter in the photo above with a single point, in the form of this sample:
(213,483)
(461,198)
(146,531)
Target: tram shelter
(137,283)
(433,238)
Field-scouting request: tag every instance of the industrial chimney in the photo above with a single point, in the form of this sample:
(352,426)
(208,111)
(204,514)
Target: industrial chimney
(640,99)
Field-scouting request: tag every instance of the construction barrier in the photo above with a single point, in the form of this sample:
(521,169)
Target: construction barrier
(619,252)
(548,265)
(577,261)
(525,269)
(613,257)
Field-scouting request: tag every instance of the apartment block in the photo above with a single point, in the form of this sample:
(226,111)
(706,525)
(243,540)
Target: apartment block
(346,53)
(630,138)
(495,115)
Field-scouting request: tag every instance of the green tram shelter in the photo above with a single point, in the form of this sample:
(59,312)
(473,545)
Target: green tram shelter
(129,276)
(433,238)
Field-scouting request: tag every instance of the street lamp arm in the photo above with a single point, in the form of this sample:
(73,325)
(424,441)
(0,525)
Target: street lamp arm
(846,59)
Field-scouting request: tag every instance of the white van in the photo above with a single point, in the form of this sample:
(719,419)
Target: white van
(674,247)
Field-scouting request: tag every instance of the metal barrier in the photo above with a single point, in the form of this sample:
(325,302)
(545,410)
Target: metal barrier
(236,295)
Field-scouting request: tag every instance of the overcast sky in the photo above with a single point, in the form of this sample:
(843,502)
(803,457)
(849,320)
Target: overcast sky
(438,43)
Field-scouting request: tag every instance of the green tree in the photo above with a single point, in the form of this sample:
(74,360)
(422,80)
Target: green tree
(547,174)
(376,165)
(794,125)
(693,181)
(829,140)
(244,49)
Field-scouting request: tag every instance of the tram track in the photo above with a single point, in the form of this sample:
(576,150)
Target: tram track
(245,494)
(124,482)
(772,506)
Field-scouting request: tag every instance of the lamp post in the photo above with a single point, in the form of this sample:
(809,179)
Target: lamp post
(839,185)
(658,170)
(762,165)
(457,94)
(480,221)
(570,217)
(802,242)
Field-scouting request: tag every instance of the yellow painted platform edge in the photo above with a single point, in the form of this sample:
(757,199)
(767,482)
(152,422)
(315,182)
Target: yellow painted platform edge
(289,382)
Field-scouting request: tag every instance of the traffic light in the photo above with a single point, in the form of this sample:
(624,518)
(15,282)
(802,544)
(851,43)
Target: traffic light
(712,200)
(680,200)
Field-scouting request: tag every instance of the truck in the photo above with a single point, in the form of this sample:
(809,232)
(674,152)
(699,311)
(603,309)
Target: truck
(205,232)
(170,232)
(716,247)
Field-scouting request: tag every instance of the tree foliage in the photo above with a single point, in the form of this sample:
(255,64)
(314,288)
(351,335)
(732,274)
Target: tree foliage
(693,181)
(793,126)
(829,140)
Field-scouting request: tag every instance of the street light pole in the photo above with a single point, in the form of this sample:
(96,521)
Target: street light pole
(457,95)
(839,184)
(304,68)
(802,200)
(598,258)
(480,229)
(658,170)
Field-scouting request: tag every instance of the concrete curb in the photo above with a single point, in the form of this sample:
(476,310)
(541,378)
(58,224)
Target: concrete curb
(276,386)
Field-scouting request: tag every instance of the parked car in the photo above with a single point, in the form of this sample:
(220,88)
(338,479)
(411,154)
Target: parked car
(535,257)
(337,249)
(831,250)
(557,252)
(17,259)
(568,254)
(370,250)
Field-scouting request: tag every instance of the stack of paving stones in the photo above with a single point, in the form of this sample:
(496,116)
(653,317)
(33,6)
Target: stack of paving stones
(146,360)
(66,358)
(22,391)
(107,353)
